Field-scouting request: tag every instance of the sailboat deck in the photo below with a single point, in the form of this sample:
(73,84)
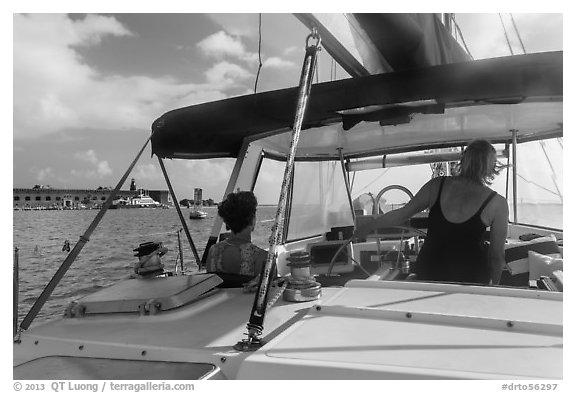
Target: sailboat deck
(447,331)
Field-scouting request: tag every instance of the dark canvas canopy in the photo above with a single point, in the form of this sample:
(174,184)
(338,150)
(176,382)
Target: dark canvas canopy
(392,111)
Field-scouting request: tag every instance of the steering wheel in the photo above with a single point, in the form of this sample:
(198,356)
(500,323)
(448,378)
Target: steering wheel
(376,205)
(345,244)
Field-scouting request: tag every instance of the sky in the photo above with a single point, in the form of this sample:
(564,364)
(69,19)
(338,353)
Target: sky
(87,87)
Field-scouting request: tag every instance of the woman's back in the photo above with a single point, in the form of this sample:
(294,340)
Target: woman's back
(460,199)
(454,248)
(235,256)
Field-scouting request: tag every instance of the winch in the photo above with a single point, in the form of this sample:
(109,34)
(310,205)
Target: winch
(149,264)
(301,286)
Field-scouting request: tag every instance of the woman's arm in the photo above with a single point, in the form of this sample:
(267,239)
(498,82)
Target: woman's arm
(498,233)
(399,216)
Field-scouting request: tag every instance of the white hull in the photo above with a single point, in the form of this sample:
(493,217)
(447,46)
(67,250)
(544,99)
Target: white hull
(198,214)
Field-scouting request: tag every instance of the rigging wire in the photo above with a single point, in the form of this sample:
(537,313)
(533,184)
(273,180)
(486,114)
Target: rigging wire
(554,177)
(317,66)
(259,51)
(517,33)
(375,180)
(333,70)
(461,36)
(506,35)
(539,186)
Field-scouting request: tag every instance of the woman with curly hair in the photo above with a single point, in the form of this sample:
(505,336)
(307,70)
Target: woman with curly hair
(461,208)
(236,254)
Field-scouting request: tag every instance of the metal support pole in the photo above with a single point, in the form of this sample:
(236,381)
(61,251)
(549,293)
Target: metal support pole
(180,253)
(78,247)
(515,175)
(182,220)
(16,289)
(347,183)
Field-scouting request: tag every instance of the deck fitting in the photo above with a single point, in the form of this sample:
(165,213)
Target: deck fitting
(249,345)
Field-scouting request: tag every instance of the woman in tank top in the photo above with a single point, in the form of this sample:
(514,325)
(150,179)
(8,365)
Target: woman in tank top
(461,208)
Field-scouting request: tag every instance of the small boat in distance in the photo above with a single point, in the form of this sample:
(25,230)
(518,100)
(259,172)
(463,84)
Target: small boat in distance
(142,199)
(198,214)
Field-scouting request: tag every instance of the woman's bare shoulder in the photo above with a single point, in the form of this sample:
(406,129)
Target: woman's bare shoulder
(497,207)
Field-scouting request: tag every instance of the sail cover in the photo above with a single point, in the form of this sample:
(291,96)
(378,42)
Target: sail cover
(364,44)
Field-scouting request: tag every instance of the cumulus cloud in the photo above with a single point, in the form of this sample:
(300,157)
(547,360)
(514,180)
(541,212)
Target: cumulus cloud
(45,174)
(209,173)
(290,50)
(55,89)
(222,46)
(102,168)
(245,25)
(225,74)
(277,62)
(149,172)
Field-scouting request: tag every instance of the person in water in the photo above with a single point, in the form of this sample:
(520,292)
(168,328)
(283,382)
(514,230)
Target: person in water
(236,254)
(461,208)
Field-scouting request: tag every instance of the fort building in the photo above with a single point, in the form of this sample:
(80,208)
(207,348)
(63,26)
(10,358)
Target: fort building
(45,197)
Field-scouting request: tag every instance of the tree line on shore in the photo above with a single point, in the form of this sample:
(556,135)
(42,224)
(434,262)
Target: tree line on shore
(190,202)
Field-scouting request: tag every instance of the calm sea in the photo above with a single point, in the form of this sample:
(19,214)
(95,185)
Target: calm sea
(108,257)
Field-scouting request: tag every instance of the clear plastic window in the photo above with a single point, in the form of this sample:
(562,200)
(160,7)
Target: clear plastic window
(319,201)
(540,185)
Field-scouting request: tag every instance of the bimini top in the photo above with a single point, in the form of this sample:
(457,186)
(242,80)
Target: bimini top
(437,106)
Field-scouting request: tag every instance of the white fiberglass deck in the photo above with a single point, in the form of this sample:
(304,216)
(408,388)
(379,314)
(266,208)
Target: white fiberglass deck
(367,330)
(380,330)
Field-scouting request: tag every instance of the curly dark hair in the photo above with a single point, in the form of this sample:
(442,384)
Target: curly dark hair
(238,210)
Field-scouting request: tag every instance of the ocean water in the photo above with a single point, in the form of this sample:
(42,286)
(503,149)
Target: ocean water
(108,257)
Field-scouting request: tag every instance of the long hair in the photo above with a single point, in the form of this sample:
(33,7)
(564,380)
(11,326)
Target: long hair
(478,162)
(238,210)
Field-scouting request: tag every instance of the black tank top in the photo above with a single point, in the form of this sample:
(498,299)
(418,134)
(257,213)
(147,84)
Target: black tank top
(454,252)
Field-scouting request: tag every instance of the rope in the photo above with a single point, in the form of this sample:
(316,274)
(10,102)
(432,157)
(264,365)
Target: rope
(259,51)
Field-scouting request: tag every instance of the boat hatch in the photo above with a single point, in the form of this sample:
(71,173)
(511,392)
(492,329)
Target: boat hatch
(71,367)
(146,296)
